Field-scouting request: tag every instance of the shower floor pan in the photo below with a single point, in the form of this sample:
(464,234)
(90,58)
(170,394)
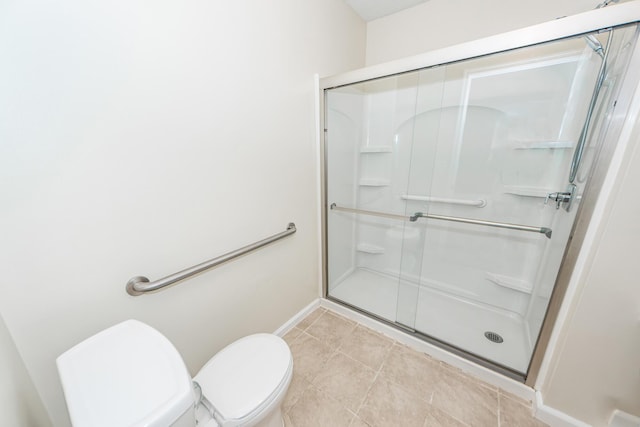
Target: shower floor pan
(448,318)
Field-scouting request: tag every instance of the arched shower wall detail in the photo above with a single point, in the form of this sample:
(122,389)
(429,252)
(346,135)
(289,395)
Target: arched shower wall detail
(445,175)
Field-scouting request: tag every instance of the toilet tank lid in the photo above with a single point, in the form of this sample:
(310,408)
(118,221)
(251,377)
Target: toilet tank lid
(127,375)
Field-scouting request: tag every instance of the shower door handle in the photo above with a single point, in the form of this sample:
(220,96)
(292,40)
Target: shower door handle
(564,199)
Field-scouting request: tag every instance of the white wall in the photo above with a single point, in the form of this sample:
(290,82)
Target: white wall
(139,138)
(594,368)
(20,404)
(440,23)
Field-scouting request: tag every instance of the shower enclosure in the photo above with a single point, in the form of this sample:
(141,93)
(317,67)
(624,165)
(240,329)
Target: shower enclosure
(451,191)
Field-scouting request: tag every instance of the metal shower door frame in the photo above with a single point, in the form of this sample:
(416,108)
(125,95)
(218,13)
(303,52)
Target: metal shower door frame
(587,22)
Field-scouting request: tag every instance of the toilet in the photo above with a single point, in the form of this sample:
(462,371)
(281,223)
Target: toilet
(131,375)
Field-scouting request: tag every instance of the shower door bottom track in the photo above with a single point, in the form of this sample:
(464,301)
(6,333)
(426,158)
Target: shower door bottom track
(490,337)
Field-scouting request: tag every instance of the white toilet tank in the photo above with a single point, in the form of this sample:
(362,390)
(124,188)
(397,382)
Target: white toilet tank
(127,375)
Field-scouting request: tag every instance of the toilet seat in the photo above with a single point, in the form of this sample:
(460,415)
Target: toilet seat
(244,379)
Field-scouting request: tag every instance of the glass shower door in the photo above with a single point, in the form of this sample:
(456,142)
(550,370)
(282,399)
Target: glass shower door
(366,165)
(493,212)
(448,199)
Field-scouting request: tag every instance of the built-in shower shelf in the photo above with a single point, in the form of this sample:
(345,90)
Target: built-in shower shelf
(368,248)
(375,149)
(509,282)
(371,182)
(478,203)
(524,191)
(538,145)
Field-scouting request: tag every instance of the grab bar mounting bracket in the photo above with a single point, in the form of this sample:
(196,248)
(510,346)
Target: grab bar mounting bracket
(131,285)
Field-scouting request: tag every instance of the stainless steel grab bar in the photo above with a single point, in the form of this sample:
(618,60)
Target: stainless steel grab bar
(140,284)
(543,230)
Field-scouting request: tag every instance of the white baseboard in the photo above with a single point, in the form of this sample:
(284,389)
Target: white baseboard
(554,417)
(623,419)
(291,323)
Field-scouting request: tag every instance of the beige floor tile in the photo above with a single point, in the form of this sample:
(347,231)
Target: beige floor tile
(335,363)
(367,346)
(466,399)
(316,409)
(331,329)
(514,398)
(471,377)
(414,371)
(517,413)
(298,385)
(438,418)
(309,356)
(291,336)
(311,317)
(346,380)
(287,420)
(357,422)
(389,405)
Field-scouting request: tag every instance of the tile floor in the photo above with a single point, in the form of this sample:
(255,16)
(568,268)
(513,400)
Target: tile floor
(348,375)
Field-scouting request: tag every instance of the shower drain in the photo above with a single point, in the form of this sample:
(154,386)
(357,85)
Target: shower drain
(493,337)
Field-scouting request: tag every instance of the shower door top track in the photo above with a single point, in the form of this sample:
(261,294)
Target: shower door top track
(586,22)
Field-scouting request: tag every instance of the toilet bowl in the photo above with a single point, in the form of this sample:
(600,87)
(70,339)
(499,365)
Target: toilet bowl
(131,375)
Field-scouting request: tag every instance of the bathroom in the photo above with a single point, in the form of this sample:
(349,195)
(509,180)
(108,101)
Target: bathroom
(142,139)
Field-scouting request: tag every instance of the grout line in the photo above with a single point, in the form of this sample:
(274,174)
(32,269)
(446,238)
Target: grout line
(295,402)
(316,319)
(499,408)
(377,371)
(342,341)
(322,369)
(297,336)
(366,394)
(401,385)
(369,368)
(299,397)
(375,377)
(352,413)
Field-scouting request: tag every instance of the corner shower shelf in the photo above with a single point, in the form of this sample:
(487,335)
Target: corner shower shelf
(369,248)
(375,149)
(525,191)
(537,145)
(369,182)
(509,282)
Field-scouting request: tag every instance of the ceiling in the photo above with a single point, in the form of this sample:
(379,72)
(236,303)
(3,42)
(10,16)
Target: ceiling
(374,9)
